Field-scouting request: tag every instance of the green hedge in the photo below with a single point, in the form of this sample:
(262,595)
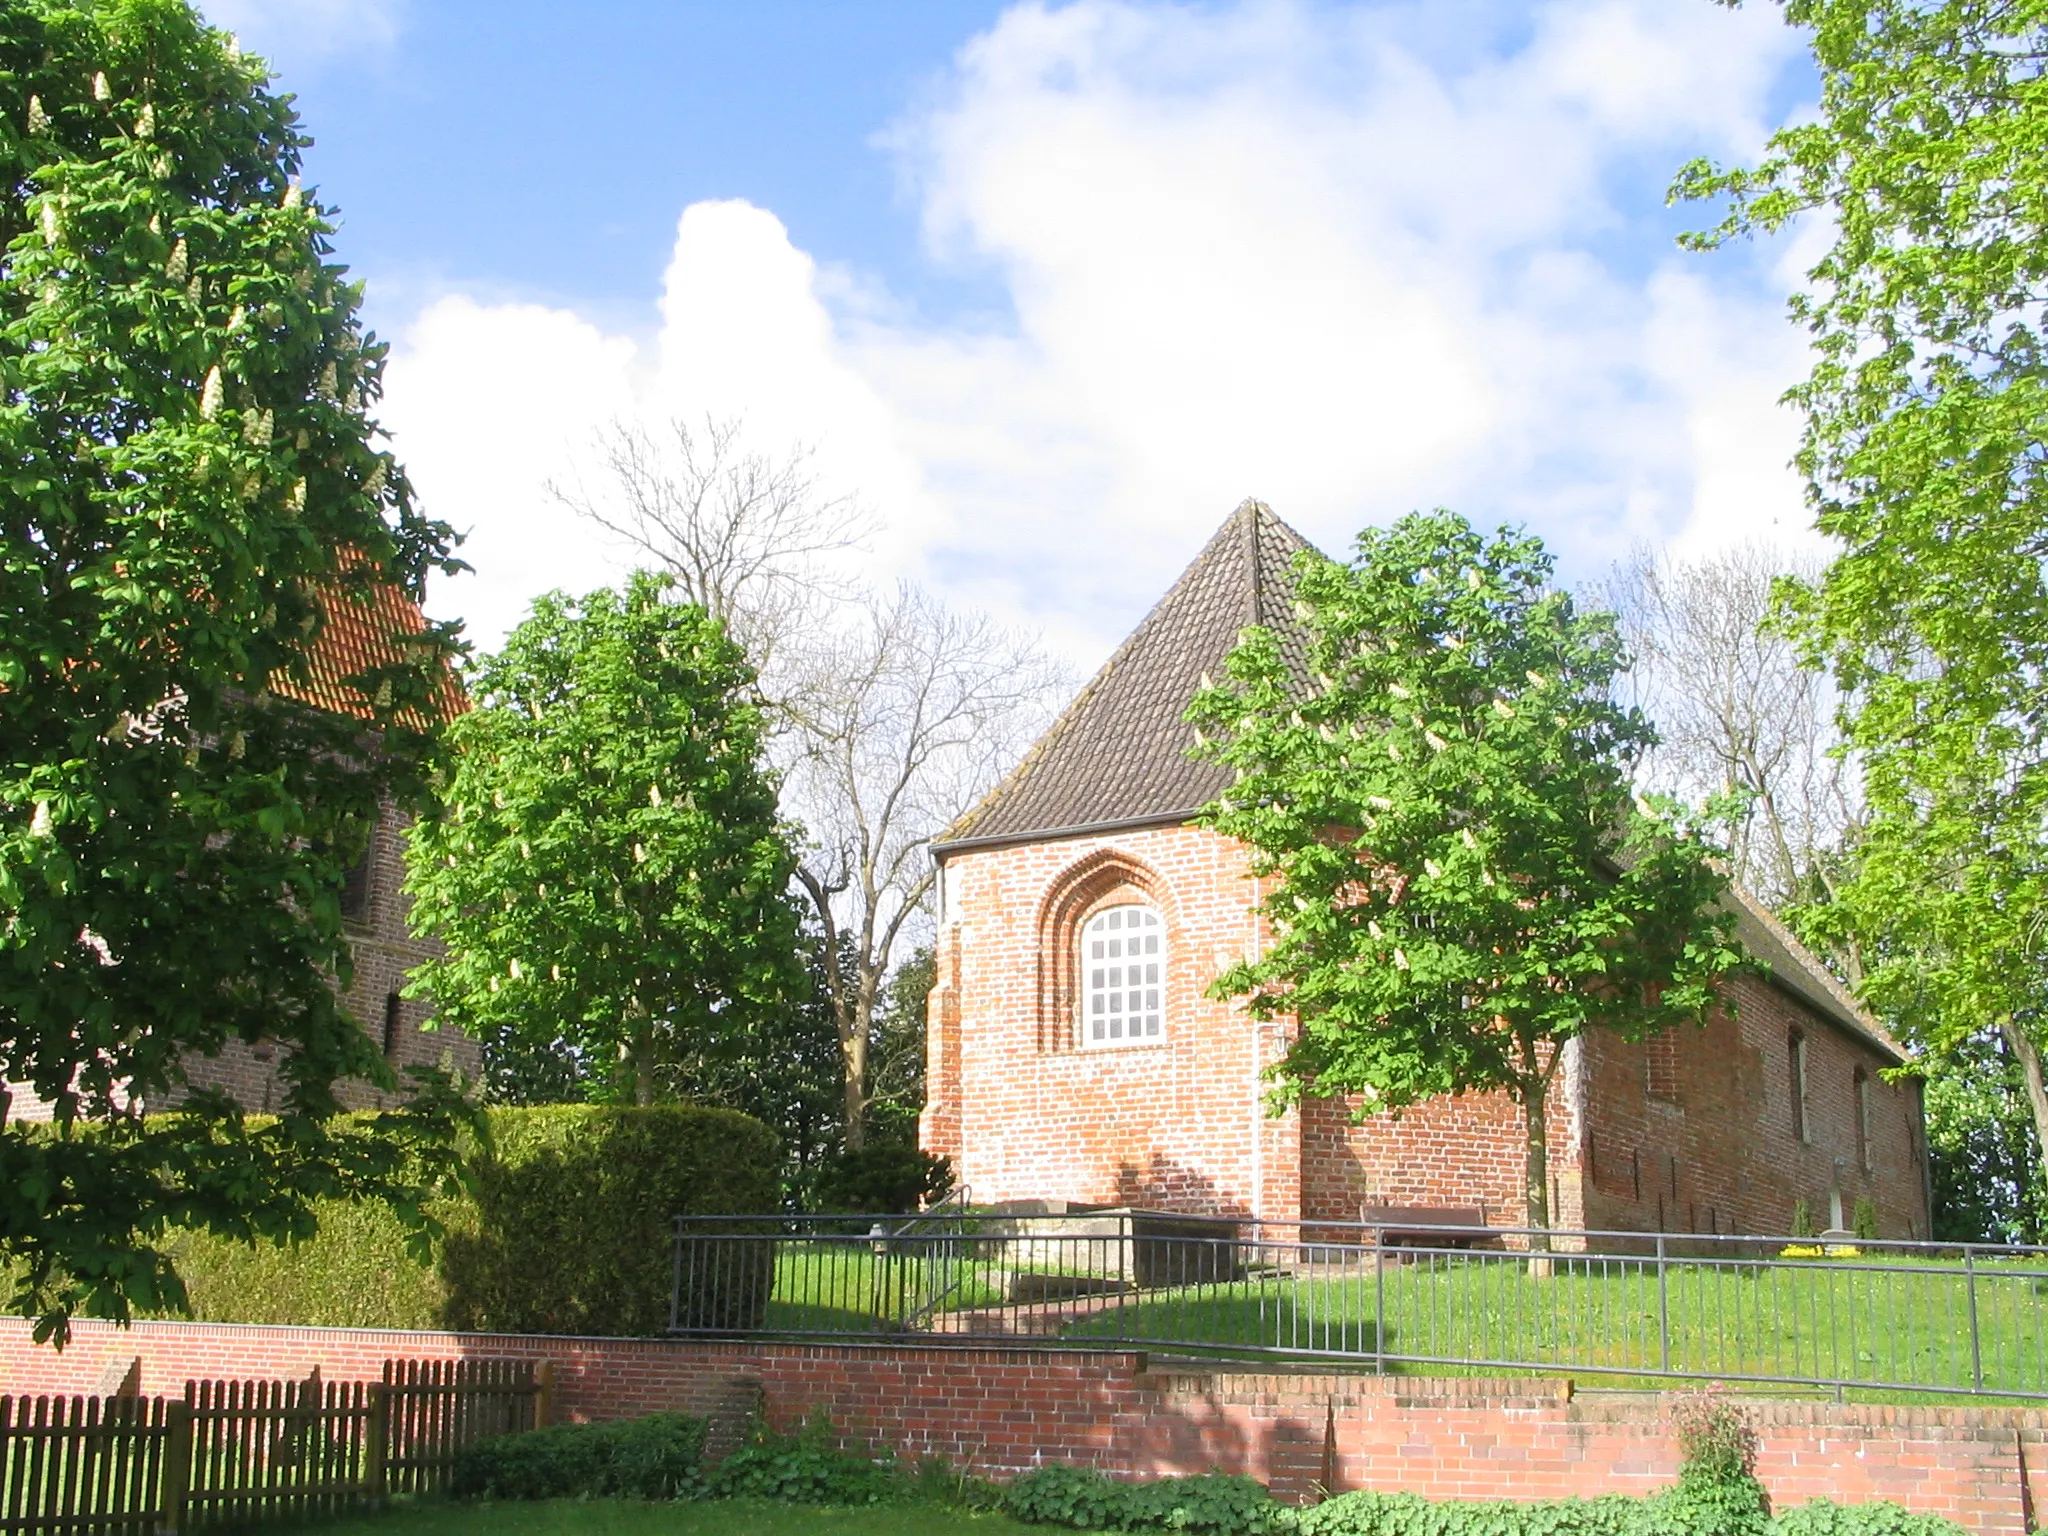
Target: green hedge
(573,1229)
(568,1230)
(657,1457)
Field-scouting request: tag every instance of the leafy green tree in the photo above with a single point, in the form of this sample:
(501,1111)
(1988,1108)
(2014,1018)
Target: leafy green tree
(1461,885)
(1923,456)
(184,446)
(606,869)
(1983,1161)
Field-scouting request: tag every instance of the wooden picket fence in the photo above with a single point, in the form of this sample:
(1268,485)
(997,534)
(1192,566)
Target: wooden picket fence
(252,1452)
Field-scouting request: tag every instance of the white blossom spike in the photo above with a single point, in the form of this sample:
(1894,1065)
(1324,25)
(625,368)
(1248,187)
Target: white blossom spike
(325,387)
(1381,803)
(1434,870)
(196,289)
(639,853)
(512,968)
(1472,578)
(145,124)
(1398,691)
(374,486)
(1465,836)
(210,394)
(1536,678)
(1394,752)
(1436,742)
(1372,927)
(1485,875)
(175,268)
(251,487)
(384,694)
(238,745)
(257,427)
(554,973)
(1400,959)
(39,825)
(52,225)
(1504,709)
(654,794)
(101,90)
(294,194)
(296,501)
(38,119)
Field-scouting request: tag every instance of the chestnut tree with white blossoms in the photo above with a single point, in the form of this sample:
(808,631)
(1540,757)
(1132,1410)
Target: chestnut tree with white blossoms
(1459,879)
(186,443)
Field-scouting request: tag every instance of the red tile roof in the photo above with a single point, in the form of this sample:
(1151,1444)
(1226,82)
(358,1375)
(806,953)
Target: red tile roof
(366,628)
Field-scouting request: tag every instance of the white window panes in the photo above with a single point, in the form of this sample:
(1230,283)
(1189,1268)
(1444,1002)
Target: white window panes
(1123,970)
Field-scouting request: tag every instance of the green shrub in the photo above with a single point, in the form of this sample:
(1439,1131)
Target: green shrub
(657,1457)
(1409,1514)
(1864,1222)
(569,1230)
(1087,1500)
(571,1227)
(805,1469)
(355,1274)
(881,1179)
(1823,1518)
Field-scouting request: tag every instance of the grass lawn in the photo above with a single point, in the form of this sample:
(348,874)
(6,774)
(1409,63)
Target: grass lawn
(1895,1323)
(723,1517)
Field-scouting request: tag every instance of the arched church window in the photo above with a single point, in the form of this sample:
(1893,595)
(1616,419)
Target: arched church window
(1123,966)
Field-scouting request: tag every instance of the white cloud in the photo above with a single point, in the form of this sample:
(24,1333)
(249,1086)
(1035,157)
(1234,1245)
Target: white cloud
(1350,262)
(297,30)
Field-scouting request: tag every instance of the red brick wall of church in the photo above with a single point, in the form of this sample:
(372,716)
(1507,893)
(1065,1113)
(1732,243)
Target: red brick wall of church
(1025,1112)
(1693,1133)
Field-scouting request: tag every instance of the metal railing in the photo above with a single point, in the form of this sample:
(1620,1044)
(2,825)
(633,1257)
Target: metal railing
(1619,1306)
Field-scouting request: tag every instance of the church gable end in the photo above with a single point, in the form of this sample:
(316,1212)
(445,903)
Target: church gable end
(1119,755)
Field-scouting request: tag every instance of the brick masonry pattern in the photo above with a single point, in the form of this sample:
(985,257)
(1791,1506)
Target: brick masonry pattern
(1005,1411)
(1692,1132)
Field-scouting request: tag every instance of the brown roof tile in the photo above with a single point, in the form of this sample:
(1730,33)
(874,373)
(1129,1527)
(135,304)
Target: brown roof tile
(366,627)
(1120,751)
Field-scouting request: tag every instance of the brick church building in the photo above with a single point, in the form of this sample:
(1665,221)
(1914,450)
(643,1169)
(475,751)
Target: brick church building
(1053,1076)
(359,634)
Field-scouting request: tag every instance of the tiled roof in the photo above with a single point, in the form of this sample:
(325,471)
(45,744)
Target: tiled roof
(1120,751)
(1798,970)
(367,627)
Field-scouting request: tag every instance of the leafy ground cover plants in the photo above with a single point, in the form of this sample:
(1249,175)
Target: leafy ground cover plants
(657,1457)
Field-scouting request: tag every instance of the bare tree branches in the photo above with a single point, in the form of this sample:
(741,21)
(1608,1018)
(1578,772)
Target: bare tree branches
(746,534)
(903,717)
(894,714)
(1736,711)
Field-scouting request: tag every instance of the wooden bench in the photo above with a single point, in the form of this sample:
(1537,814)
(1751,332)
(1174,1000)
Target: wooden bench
(1419,1226)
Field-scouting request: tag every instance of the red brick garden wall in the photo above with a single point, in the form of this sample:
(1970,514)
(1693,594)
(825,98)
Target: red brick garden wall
(1007,1411)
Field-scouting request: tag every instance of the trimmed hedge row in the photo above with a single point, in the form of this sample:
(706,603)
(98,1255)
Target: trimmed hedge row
(567,1229)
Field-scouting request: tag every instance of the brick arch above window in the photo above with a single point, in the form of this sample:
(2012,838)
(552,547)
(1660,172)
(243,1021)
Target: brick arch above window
(1103,879)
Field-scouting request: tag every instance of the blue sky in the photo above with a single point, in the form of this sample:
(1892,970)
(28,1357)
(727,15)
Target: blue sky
(1051,287)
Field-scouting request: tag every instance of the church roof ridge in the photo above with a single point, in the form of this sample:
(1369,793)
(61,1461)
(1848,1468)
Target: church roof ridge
(1117,755)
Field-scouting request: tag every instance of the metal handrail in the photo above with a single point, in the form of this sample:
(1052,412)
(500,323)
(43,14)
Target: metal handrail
(1897,1315)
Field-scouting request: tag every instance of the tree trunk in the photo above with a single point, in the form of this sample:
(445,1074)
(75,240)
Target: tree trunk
(1535,1099)
(853,1060)
(2029,1057)
(640,1051)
